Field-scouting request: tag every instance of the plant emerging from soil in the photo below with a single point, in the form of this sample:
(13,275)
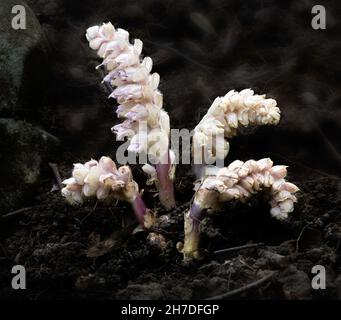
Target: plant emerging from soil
(146,125)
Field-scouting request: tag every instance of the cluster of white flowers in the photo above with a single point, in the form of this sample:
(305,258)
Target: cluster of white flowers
(225,115)
(100,179)
(242,179)
(146,124)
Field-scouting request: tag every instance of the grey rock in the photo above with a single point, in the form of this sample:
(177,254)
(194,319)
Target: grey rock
(24,149)
(23,64)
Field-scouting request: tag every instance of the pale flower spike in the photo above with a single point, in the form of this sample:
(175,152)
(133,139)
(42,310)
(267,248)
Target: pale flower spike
(103,180)
(146,124)
(239,181)
(223,118)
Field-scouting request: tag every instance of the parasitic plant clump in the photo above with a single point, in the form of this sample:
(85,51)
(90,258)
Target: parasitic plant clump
(146,123)
(239,181)
(104,181)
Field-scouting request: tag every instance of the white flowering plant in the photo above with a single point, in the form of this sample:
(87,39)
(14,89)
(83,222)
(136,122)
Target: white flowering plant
(146,126)
(146,123)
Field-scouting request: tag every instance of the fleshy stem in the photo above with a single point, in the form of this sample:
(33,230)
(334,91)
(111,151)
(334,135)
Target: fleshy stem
(166,186)
(192,221)
(139,208)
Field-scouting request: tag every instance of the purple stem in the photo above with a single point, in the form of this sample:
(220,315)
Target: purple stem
(192,231)
(139,208)
(166,187)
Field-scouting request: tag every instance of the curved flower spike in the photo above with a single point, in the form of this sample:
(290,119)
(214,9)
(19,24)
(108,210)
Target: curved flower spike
(223,118)
(146,124)
(239,181)
(103,180)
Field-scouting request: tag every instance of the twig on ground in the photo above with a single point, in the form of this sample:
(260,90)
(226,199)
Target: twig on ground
(246,246)
(299,237)
(56,173)
(238,291)
(13,213)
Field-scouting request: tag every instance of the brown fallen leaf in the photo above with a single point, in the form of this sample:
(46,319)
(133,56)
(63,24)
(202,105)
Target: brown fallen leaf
(99,248)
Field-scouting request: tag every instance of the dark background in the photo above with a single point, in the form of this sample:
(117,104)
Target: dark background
(203,49)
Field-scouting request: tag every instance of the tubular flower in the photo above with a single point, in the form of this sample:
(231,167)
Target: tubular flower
(103,180)
(239,181)
(223,118)
(146,124)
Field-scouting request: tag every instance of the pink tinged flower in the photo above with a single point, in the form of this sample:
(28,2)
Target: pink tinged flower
(164,122)
(92,182)
(158,99)
(92,32)
(216,109)
(124,129)
(107,30)
(115,48)
(132,92)
(278,172)
(74,197)
(286,206)
(232,120)
(123,109)
(96,43)
(235,165)
(288,186)
(79,173)
(264,164)
(139,143)
(151,172)
(72,191)
(132,111)
(123,76)
(127,59)
(106,164)
(91,163)
(102,192)
(136,115)
(158,146)
(147,62)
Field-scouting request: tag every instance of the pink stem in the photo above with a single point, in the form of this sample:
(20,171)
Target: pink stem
(166,187)
(139,208)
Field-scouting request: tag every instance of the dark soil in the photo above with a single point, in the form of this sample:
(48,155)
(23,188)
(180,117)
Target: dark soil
(53,240)
(268,46)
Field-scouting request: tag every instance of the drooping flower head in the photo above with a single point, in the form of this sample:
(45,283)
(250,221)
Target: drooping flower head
(223,118)
(239,181)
